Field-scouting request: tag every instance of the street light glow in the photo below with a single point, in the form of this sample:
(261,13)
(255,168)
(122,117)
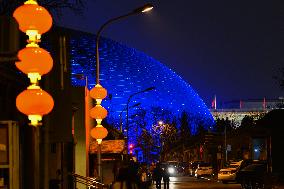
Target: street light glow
(145,8)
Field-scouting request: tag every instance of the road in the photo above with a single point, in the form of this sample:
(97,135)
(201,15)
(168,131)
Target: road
(191,182)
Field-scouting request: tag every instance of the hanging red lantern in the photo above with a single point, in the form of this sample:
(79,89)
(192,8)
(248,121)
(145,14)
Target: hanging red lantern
(35,103)
(99,133)
(98,112)
(35,62)
(98,93)
(31,16)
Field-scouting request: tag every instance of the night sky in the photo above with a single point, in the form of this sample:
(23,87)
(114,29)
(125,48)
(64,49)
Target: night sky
(231,49)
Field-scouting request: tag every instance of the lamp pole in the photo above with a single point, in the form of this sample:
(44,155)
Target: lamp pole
(120,115)
(127,110)
(144,8)
(226,149)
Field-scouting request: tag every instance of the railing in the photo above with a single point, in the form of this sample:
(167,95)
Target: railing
(91,183)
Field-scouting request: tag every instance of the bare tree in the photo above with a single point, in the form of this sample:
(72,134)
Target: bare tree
(54,6)
(185,127)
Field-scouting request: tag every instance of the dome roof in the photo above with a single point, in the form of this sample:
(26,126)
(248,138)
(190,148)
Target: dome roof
(125,71)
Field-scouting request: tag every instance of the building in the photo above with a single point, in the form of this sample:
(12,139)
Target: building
(61,145)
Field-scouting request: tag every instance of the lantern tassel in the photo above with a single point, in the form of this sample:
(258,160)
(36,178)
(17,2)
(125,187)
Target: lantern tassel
(35,120)
(30,2)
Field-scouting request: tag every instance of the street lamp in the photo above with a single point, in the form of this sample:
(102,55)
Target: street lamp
(120,115)
(99,93)
(127,110)
(143,9)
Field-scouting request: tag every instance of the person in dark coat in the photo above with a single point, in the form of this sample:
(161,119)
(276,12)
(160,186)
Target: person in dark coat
(166,179)
(157,173)
(125,179)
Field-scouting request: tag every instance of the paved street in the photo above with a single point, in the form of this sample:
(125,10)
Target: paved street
(191,182)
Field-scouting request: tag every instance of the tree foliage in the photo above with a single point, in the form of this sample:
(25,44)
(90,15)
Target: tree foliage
(185,127)
(146,144)
(221,124)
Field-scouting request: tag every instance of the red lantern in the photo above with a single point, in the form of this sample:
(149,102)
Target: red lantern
(99,132)
(35,103)
(98,112)
(31,16)
(35,62)
(98,93)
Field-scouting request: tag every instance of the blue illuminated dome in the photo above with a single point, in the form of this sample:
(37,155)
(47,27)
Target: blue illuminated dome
(125,71)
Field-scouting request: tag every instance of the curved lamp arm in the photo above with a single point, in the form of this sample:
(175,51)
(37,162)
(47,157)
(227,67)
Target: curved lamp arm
(144,8)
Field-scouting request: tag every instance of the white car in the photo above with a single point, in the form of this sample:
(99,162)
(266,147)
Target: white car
(203,169)
(229,173)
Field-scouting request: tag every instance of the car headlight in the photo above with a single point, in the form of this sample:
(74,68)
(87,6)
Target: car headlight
(171,170)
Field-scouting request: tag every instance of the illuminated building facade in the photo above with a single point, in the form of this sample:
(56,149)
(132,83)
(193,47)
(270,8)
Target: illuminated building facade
(125,71)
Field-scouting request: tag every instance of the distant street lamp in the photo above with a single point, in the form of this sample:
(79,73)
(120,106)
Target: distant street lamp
(120,115)
(127,110)
(99,93)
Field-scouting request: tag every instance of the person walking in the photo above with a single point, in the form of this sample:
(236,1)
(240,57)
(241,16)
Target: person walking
(157,173)
(151,170)
(126,178)
(142,173)
(166,179)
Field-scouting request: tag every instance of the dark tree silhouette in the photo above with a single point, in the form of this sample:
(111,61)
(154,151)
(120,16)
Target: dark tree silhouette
(168,138)
(54,6)
(161,114)
(247,122)
(221,124)
(146,143)
(185,128)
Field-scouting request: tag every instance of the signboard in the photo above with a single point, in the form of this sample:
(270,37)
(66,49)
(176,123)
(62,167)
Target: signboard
(108,146)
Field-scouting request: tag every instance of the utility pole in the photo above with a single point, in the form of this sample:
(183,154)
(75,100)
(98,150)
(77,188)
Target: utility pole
(226,150)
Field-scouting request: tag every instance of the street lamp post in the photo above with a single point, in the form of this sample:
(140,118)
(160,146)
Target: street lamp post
(96,133)
(145,8)
(127,110)
(120,115)
(225,141)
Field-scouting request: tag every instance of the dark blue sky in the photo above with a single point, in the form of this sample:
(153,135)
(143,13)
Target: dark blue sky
(228,48)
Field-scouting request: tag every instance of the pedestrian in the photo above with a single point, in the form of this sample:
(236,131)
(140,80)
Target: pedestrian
(115,169)
(125,179)
(151,170)
(142,173)
(157,173)
(166,179)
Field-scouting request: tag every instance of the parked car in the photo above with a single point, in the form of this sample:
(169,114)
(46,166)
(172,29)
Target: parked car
(255,175)
(228,174)
(203,169)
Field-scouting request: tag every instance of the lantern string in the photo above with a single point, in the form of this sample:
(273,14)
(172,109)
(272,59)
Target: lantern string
(35,116)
